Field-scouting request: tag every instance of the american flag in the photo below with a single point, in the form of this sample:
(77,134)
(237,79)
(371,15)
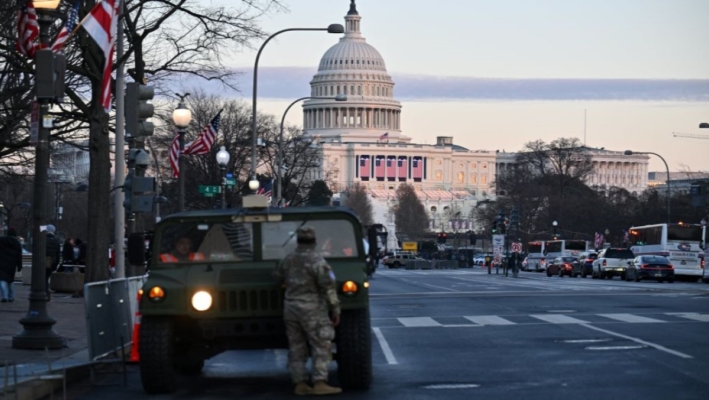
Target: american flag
(265,189)
(391,168)
(417,168)
(206,139)
(403,168)
(626,236)
(598,240)
(384,137)
(100,24)
(364,167)
(379,167)
(27,30)
(67,29)
(175,156)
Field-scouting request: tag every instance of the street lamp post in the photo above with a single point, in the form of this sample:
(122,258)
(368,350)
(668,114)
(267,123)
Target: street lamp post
(181,117)
(555,224)
(223,160)
(333,28)
(630,153)
(279,155)
(37,330)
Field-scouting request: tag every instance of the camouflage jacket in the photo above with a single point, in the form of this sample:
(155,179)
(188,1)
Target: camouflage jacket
(309,282)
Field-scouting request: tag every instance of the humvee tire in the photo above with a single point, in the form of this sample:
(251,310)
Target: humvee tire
(157,371)
(354,350)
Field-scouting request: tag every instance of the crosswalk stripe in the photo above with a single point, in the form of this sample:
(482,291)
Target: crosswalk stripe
(489,320)
(418,322)
(631,318)
(692,316)
(559,319)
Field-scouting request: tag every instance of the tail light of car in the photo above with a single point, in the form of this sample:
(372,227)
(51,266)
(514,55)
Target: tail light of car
(643,266)
(672,266)
(589,260)
(604,263)
(703,260)
(567,266)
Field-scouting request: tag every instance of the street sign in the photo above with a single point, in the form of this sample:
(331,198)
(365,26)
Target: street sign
(516,247)
(229,175)
(34,123)
(409,246)
(209,190)
(230,182)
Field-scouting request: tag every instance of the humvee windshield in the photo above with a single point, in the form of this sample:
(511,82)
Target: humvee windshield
(234,242)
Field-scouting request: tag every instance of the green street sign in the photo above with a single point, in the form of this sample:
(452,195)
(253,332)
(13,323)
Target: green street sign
(231,182)
(207,190)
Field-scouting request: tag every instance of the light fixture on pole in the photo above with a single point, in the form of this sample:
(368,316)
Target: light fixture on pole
(333,28)
(669,192)
(279,155)
(555,224)
(181,116)
(37,325)
(223,160)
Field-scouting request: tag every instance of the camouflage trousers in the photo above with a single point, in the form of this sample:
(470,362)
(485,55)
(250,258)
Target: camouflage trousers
(316,333)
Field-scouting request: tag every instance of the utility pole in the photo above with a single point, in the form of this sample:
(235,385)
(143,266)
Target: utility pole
(119,228)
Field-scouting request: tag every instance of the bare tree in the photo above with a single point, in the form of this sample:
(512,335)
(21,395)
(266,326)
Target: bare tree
(410,215)
(357,199)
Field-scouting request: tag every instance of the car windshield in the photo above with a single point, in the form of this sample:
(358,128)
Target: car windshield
(619,253)
(570,259)
(654,260)
(334,238)
(215,242)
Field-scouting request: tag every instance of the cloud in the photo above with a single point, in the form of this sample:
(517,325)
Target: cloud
(294,82)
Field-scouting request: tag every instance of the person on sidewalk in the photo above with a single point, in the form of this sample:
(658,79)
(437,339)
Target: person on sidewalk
(67,256)
(311,311)
(10,261)
(53,250)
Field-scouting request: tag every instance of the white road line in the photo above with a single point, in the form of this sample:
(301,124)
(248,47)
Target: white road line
(558,319)
(692,316)
(418,322)
(385,346)
(615,347)
(634,319)
(640,341)
(489,320)
(462,326)
(437,287)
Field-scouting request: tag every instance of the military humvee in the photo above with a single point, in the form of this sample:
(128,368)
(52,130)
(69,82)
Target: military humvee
(221,294)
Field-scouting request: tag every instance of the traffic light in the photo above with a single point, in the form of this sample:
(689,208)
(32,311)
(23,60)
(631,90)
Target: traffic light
(514,218)
(139,194)
(494,226)
(442,237)
(137,110)
(51,69)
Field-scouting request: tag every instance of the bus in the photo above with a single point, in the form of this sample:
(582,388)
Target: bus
(565,248)
(680,243)
(536,260)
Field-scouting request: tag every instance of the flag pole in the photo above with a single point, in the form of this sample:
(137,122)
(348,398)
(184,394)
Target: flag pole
(120,172)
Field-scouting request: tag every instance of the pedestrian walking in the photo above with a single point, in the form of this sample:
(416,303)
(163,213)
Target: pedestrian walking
(53,250)
(10,262)
(311,311)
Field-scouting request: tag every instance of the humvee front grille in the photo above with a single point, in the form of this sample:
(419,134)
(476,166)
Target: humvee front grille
(250,300)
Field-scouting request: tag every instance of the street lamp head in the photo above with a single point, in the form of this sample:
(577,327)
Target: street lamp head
(46,4)
(555,223)
(628,152)
(341,97)
(704,125)
(182,115)
(254,184)
(703,222)
(223,157)
(335,28)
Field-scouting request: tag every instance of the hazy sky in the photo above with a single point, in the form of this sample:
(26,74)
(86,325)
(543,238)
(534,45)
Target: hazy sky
(497,73)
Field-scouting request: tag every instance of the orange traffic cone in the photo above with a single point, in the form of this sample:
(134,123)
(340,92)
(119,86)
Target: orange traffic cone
(134,355)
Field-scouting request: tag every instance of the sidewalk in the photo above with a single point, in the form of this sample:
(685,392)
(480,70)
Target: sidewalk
(70,320)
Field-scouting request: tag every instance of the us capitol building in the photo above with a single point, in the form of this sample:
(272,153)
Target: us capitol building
(362,142)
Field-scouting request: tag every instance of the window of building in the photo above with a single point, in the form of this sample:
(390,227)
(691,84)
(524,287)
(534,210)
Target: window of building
(483,179)
(473,178)
(345,90)
(434,209)
(439,175)
(359,90)
(461,177)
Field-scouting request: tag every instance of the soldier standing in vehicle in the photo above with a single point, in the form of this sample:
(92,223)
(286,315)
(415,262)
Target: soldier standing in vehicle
(311,311)
(182,251)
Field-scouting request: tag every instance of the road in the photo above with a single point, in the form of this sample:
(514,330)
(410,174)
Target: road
(462,334)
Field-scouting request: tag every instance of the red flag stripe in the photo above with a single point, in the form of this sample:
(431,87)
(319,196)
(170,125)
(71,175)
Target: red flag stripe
(175,156)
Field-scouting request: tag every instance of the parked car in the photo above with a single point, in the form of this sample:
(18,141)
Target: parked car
(561,266)
(611,262)
(650,267)
(587,259)
(398,259)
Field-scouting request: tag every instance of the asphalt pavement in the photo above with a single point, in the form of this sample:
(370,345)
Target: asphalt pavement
(462,334)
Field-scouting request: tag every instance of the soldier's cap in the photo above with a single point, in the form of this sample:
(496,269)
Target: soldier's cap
(306,234)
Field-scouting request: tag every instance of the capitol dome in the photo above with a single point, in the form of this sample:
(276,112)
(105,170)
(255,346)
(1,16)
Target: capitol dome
(356,69)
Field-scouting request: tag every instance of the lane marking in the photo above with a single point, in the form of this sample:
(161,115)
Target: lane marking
(385,346)
(558,319)
(587,340)
(453,386)
(437,287)
(615,347)
(489,320)
(462,326)
(639,341)
(692,316)
(418,322)
(634,319)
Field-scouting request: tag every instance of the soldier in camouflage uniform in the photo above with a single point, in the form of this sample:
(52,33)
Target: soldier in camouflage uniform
(311,311)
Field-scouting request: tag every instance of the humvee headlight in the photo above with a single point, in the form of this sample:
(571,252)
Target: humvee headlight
(366,285)
(349,287)
(156,293)
(202,301)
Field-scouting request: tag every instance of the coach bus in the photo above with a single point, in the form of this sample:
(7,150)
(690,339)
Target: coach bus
(680,243)
(536,260)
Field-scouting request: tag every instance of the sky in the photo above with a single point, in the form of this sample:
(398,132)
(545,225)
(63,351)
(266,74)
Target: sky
(495,74)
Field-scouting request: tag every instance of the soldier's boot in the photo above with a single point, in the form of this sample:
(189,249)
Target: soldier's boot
(322,388)
(302,389)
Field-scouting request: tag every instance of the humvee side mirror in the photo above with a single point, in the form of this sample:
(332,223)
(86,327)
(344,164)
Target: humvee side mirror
(136,248)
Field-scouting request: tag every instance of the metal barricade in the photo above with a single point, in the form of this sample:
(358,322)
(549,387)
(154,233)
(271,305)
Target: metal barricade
(110,312)
(418,264)
(446,264)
